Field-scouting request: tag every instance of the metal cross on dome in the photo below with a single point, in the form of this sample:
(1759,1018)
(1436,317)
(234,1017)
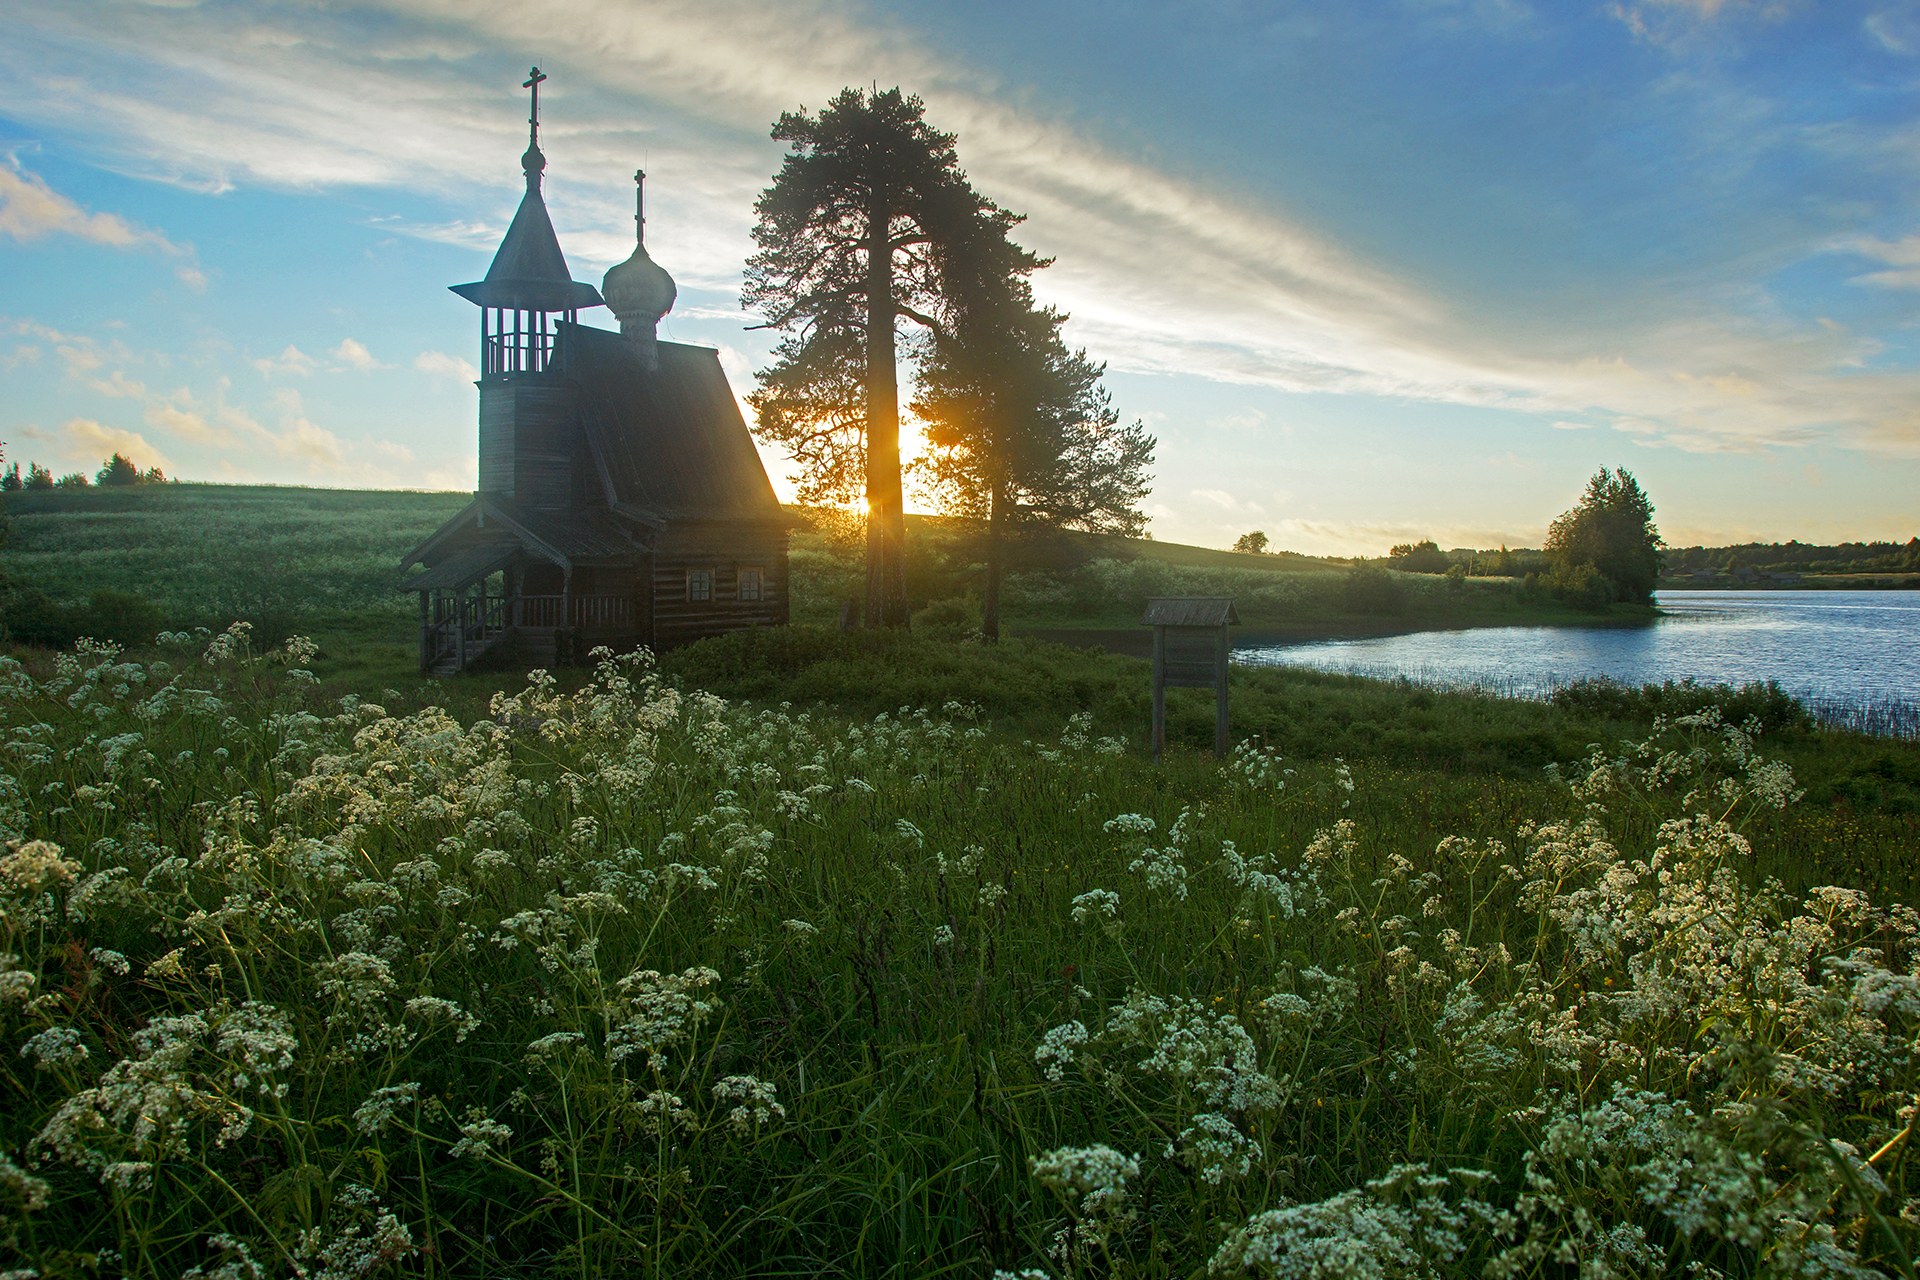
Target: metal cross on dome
(534,77)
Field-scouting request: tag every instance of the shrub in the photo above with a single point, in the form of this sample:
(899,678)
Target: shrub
(1582,586)
(1776,710)
(1375,592)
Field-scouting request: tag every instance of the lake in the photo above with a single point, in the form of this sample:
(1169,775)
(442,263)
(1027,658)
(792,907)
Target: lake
(1832,648)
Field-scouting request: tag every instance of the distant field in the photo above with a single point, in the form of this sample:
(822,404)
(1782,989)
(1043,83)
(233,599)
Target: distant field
(209,553)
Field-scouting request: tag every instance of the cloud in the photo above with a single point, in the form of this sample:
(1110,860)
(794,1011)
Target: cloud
(84,444)
(438,364)
(119,386)
(1672,22)
(30,211)
(1901,258)
(354,355)
(1161,274)
(291,362)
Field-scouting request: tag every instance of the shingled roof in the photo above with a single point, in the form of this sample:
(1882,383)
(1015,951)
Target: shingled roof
(669,442)
(1190,611)
(529,270)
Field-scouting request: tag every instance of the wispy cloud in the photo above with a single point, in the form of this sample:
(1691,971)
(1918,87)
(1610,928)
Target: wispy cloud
(353,354)
(291,362)
(1162,275)
(84,444)
(30,211)
(438,364)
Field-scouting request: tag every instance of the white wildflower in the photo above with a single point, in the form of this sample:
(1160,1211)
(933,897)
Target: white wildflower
(55,1047)
(1058,1048)
(757,1101)
(478,1135)
(1094,904)
(1093,1178)
(1215,1148)
(383,1105)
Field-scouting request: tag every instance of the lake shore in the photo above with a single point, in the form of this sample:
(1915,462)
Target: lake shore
(1137,641)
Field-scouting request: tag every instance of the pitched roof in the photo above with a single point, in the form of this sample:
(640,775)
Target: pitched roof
(463,566)
(1190,611)
(669,442)
(529,271)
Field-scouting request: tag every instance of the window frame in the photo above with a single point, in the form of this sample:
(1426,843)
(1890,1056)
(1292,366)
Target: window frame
(759,573)
(703,577)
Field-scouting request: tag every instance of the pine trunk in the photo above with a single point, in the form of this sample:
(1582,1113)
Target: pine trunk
(886,507)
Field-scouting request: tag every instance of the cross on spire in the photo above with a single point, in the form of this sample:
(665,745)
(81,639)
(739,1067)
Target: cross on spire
(533,81)
(534,162)
(640,206)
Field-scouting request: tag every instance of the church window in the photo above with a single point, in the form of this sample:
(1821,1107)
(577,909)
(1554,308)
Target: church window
(699,584)
(752,582)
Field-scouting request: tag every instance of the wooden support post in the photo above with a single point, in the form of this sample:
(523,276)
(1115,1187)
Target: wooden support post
(1220,701)
(1159,692)
(426,634)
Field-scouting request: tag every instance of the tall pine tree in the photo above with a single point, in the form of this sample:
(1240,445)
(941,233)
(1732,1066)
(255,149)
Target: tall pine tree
(850,236)
(1022,434)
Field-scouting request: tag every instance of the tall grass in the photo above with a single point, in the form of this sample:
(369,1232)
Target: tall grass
(632,981)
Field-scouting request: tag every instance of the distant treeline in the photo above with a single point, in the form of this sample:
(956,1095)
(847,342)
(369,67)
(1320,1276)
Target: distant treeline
(1751,560)
(1776,558)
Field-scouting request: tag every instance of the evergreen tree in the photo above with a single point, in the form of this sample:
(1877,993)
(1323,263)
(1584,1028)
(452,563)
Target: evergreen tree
(849,236)
(1612,530)
(38,477)
(1021,432)
(117,470)
(10,479)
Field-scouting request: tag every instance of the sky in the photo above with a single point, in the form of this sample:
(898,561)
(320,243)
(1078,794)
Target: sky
(1370,272)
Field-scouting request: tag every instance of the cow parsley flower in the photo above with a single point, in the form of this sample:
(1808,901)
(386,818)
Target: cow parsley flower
(1058,1047)
(758,1103)
(1215,1148)
(55,1047)
(1092,1178)
(478,1135)
(1095,904)
(382,1105)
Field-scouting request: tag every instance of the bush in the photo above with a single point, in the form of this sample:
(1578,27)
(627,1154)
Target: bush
(1582,586)
(1375,592)
(30,616)
(1776,710)
(953,616)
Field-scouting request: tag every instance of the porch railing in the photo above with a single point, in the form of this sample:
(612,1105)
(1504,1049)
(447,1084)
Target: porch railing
(456,627)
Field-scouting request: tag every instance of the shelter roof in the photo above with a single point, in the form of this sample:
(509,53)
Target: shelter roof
(464,566)
(1190,611)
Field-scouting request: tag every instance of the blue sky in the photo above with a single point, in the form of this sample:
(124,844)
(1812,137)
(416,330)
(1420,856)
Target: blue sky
(1371,272)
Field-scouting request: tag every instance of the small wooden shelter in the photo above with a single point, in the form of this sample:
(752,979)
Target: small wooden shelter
(621,500)
(1190,649)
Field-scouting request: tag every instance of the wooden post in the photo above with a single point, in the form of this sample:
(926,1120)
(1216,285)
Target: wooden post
(426,634)
(460,629)
(1159,692)
(1220,701)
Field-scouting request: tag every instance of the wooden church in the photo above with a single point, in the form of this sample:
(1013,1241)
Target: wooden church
(621,500)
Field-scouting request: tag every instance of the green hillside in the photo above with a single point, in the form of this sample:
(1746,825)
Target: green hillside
(123,563)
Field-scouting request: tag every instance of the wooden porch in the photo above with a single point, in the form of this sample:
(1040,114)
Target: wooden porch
(459,628)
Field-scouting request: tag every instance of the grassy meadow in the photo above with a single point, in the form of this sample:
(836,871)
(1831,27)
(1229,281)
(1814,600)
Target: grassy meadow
(123,563)
(810,953)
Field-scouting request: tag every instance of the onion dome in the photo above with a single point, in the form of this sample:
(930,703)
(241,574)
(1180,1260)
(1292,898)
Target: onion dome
(639,291)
